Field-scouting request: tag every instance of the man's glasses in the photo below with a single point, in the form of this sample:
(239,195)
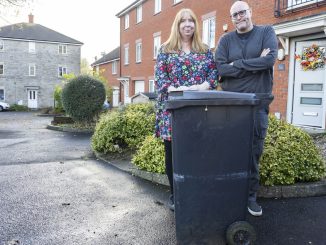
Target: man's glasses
(239,13)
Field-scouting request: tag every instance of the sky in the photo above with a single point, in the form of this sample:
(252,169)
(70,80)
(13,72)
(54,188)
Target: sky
(93,23)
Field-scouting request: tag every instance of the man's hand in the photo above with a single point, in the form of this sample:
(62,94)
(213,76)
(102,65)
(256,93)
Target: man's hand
(171,89)
(265,52)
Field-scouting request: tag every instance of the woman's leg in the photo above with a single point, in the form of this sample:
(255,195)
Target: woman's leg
(168,162)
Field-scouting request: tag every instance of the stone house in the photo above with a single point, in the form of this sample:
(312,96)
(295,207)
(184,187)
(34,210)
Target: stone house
(33,59)
(300,96)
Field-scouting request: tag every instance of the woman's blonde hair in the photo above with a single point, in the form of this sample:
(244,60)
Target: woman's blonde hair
(173,44)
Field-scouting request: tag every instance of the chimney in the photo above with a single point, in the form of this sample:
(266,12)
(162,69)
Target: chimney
(31,18)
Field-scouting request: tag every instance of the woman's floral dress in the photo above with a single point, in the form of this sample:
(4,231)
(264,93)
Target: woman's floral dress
(179,69)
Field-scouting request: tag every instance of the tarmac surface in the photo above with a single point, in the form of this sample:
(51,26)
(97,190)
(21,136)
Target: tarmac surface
(54,191)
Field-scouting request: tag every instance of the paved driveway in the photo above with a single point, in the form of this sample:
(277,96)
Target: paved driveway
(53,192)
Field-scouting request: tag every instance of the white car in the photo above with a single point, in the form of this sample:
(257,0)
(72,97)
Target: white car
(4,106)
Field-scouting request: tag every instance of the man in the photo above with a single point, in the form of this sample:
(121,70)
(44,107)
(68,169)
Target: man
(245,59)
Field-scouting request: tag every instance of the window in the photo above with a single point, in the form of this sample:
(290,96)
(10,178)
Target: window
(2,45)
(299,3)
(139,87)
(126,57)
(176,1)
(209,32)
(151,86)
(139,14)
(157,45)
(62,70)
(158,6)
(32,69)
(2,94)
(114,67)
(31,47)
(138,52)
(2,69)
(126,21)
(62,49)
(97,70)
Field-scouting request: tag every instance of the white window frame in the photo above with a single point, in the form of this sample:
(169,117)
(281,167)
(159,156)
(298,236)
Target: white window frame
(157,6)
(176,1)
(114,67)
(31,47)
(126,54)
(62,70)
(299,3)
(209,31)
(62,49)
(157,45)
(32,70)
(4,94)
(139,13)
(2,45)
(3,69)
(138,51)
(151,86)
(126,21)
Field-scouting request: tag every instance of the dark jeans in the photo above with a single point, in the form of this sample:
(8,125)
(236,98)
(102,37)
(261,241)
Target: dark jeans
(168,163)
(260,130)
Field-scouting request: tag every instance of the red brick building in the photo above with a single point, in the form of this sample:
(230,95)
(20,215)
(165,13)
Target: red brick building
(299,95)
(108,66)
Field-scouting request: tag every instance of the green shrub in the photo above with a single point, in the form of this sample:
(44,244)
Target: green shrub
(127,127)
(109,134)
(290,156)
(57,99)
(140,120)
(83,98)
(150,156)
(16,107)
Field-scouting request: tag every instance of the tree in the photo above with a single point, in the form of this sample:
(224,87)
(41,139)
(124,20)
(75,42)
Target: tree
(16,3)
(85,69)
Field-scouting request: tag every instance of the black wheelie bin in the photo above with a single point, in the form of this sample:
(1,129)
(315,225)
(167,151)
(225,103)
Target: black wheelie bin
(212,133)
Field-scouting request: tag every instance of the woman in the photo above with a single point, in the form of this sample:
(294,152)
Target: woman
(183,63)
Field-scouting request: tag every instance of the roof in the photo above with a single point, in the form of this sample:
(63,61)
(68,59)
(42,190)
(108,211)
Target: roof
(35,32)
(129,7)
(148,95)
(113,55)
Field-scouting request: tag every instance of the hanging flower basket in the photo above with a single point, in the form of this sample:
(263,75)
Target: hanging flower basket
(312,57)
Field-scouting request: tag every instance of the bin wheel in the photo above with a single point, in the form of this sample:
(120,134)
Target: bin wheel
(240,233)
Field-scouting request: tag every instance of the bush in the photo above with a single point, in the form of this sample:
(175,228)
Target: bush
(109,134)
(83,98)
(140,121)
(57,99)
(16,107)
(150,156)
(290,156)
(123,128)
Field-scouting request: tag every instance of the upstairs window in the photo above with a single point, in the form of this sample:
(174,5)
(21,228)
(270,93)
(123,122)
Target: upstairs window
(2,45)
(139,14)
(62,70)
(114,67)
(157,45)
(32,70)
(31,47)
(209,32)
(2,69)
(62,49)
(300,3)
(138,52)
(158,6)
(126,56)
(126,21)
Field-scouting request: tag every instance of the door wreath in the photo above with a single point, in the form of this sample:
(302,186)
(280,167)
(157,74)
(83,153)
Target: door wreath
(312,57)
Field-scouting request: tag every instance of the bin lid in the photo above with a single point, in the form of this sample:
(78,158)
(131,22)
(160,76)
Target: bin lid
(180,99)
